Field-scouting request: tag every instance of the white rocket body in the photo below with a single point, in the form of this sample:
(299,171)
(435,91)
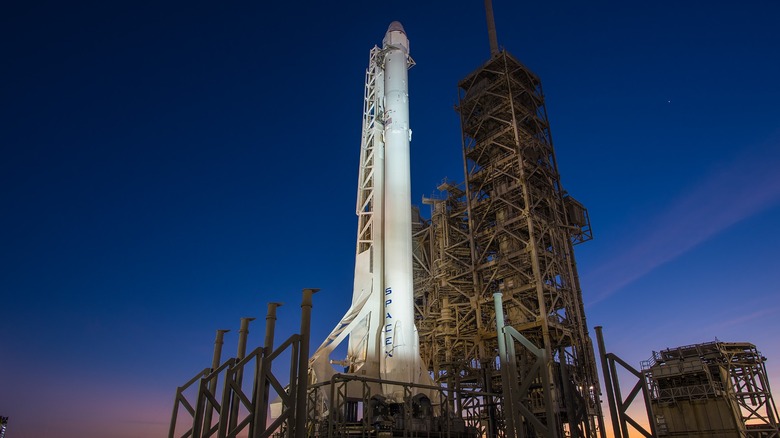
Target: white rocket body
(401,346)
(383,340)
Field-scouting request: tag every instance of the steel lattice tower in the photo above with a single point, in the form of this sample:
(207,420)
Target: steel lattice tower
(511,229)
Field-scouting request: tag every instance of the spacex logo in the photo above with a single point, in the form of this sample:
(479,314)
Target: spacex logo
(388,331)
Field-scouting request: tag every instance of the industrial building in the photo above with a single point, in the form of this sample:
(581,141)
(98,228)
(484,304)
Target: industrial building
(716,389)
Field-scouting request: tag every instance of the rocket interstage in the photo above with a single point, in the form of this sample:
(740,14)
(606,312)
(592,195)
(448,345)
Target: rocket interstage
(383,341)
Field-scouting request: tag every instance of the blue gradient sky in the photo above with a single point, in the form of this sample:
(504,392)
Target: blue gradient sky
(169,168)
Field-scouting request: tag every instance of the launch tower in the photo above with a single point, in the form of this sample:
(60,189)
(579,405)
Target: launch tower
(509,229)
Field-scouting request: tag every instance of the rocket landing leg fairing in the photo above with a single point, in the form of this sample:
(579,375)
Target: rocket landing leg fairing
(383,340)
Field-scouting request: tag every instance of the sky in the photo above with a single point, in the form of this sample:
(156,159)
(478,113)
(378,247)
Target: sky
(167,168)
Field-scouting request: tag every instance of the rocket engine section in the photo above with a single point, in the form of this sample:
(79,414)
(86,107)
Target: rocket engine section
(383,340)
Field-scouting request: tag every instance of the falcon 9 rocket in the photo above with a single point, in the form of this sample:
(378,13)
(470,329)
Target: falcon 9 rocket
(383,340)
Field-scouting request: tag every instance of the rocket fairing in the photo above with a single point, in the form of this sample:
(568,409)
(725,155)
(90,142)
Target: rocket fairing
(383,340)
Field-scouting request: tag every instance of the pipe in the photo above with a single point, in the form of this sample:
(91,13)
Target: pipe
(215,361)
(509,409)
(261,411)
(235,406)
(303,364)
(608,383)
(270,324)
(243,332)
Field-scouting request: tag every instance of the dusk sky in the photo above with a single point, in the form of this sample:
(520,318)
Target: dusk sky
(170,167)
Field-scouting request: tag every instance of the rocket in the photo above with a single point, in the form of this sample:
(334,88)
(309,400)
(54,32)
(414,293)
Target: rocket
(400,339)
(401,346)
(383,340)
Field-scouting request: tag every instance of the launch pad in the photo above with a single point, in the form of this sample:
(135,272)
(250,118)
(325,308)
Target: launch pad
(448,413)
(468,325)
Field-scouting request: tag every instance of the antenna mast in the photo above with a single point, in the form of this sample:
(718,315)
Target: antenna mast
(491,24)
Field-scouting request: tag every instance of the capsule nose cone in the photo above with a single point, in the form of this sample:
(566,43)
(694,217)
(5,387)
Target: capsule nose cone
(396,26)
(396,37)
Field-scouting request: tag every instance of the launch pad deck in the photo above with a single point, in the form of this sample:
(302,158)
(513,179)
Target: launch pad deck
(350,405)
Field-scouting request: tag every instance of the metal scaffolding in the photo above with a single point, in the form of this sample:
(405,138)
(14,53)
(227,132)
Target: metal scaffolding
(509,229)
(714,389)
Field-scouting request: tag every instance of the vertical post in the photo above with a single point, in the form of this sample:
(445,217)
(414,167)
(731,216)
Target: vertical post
(491,25)
(451,386)
(200,406)
(215,361)
(235,404)
(618,396)
(293,391)
(608,383)
(600,417)
(458,394)
(552,421)
(270,325)
(516,395)
(261,383)
(175,415)
(303,364)
(568,398)
(648,405)
(487,376)
(509,408)
(243,332)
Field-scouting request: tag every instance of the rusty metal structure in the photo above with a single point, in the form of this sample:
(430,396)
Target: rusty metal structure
(715,389)
(510,228)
